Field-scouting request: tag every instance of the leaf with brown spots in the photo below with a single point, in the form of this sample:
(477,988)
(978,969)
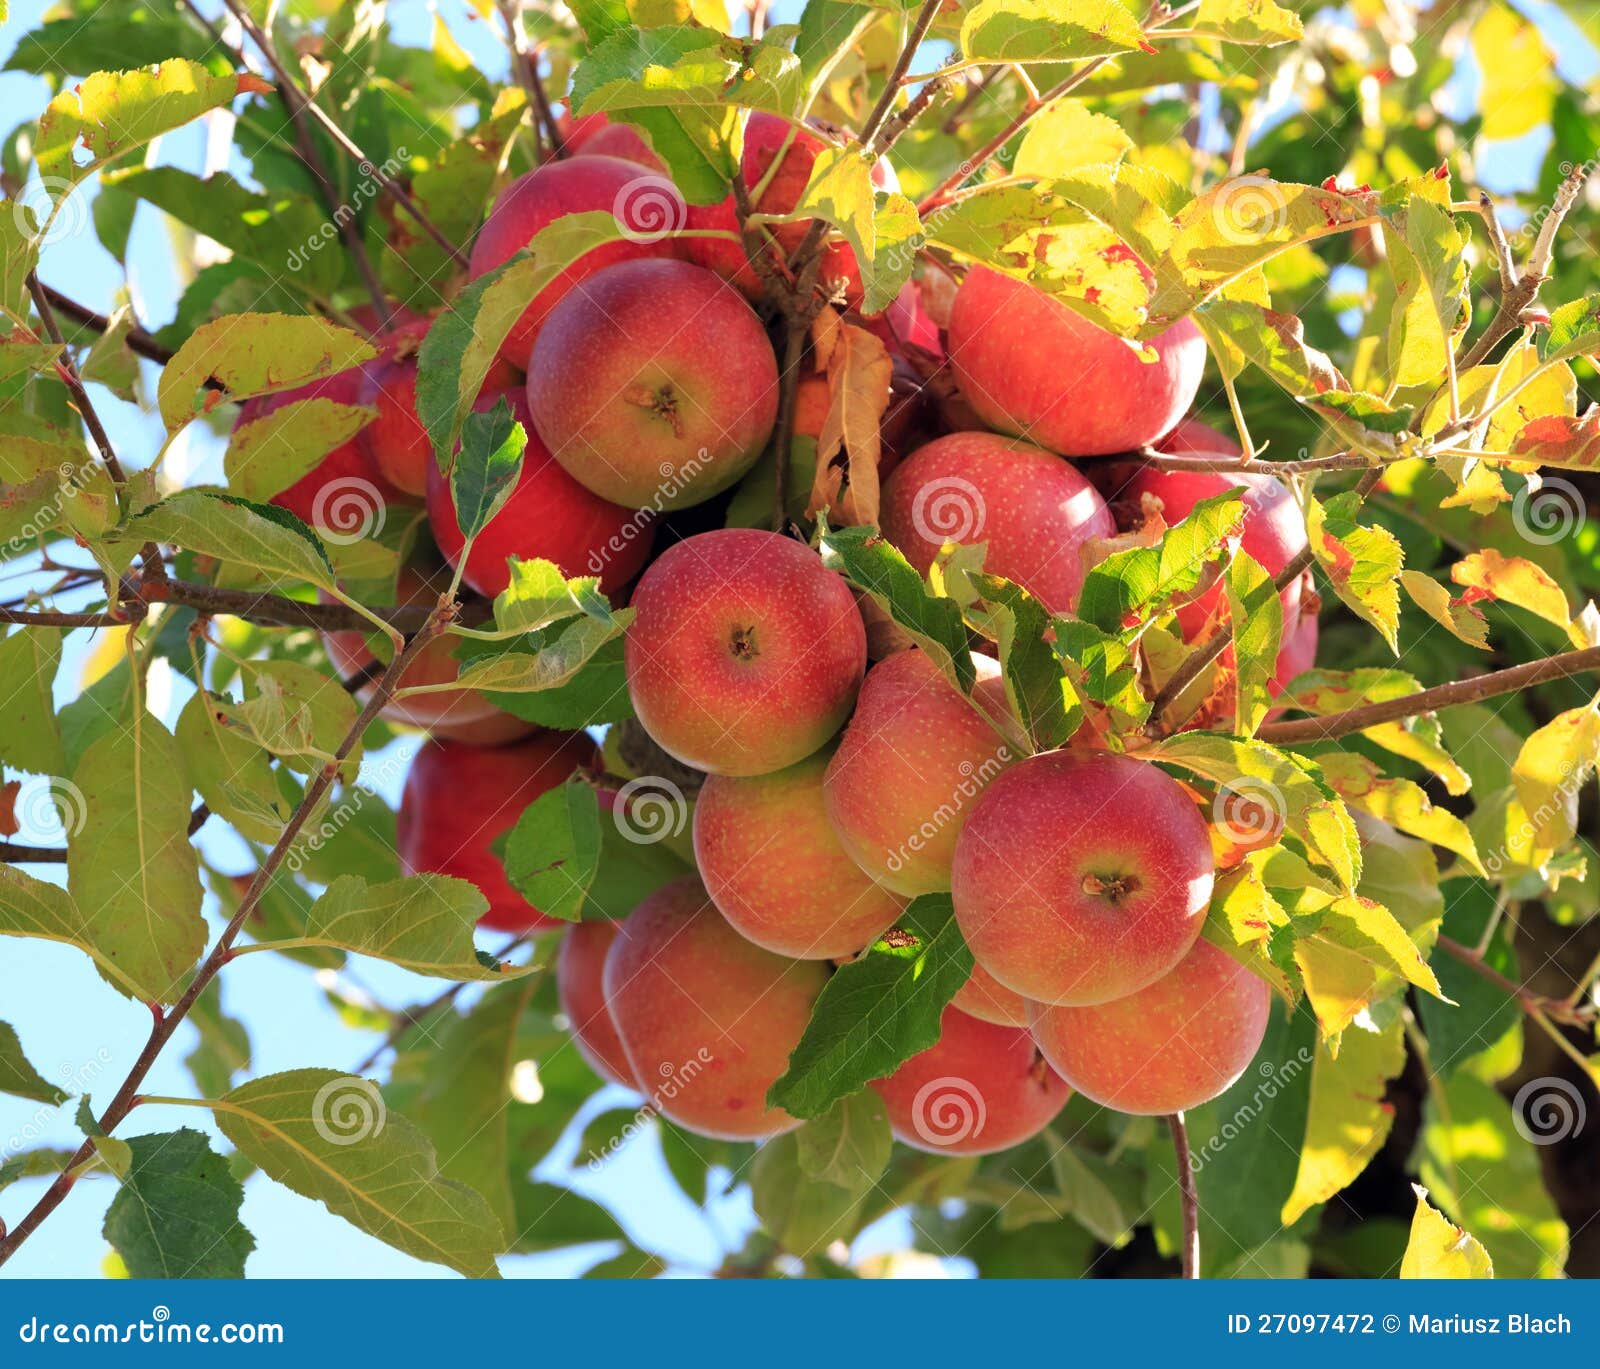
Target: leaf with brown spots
(859,370)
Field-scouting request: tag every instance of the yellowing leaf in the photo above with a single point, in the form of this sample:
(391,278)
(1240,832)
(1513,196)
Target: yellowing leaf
(1513,580)
(1348,1120)
(1550,772)
(1255,22)
(1398,802)
(1048,30)
(1439,1249)
(115,112)
(1362,563)
(253,354)
(1428,264)
(1067,135)
(1459,616)
(269,454)
(1518,73)
(840,193)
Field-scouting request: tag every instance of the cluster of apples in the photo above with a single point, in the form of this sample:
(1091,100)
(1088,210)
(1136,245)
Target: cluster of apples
(834,793)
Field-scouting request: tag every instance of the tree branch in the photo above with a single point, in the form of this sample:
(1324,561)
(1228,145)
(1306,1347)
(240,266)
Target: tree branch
(166,1023)
(1473,690)
(525,68)
(1186,1191)
(1535,1005)
(387,183)
(13,854)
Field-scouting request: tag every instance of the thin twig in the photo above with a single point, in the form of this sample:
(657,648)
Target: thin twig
(166,1022)
(325,121)
(298,103)
(525,68)
(1534,1004)
(1188,1196)
(1479,687)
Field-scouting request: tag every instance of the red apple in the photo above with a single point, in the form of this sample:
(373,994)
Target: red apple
(708,1019)
(458,799)
(654,384)
(1170,1046)
(395,439)
(1082,876)
(909,768)
(549,192)
(1034,510)
(548,515)
(982,1088)
(1298,653)
(745,655)
(1029,365)
(456,715)
(983,996)
(776,871)
(594,135)
(580,975)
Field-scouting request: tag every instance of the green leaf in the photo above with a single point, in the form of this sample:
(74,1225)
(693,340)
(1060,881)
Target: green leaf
(1255,622)
(273,542)
(29,736)
(253,354)
(18,1077)
(898,238)
(276,230)
(112,113)
(560,653)
(803,1215)
(1573,331)
(549,1217)
(294,711)
(223,1049)
(1439,1249)
(329,1137)
(1348,1122)
(1048,30)
(1067,135)
(1130,586)
(176,1215)
(1361,563)
(1484,1015)
(1477,1161)
(123,33)
(539,594)
(31,907)
(423,923)
(487,467)
(458,1089)
(131,871)
(840,193)
(878,1011)
(553,852)
(1035,686)
(849,1144)
(231,773)
(876,568)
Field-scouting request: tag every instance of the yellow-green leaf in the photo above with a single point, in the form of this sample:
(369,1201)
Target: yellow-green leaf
(1048,30)
(1550,772)
(1439,1249)
(1362,563)
(268,454)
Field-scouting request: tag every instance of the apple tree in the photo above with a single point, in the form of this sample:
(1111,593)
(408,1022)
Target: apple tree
(970,616)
